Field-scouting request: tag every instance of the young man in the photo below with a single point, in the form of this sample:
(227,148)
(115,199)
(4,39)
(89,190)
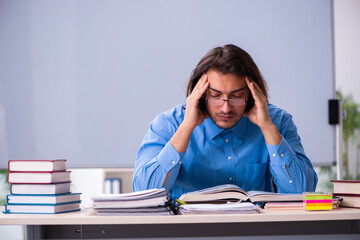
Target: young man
(226,133)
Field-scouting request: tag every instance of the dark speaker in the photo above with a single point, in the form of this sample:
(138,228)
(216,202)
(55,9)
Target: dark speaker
(334,112)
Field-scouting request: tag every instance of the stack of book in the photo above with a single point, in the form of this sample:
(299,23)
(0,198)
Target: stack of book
(349,191)
(40,186)
(152,201)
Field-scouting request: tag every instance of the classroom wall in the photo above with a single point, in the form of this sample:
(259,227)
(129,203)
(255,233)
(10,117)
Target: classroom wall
(82,80)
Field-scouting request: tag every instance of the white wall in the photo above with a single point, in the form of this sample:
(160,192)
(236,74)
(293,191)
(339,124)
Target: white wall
(347,46)
(83,79)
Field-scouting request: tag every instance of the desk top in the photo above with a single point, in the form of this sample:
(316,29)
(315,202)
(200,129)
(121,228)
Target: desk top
(89,217)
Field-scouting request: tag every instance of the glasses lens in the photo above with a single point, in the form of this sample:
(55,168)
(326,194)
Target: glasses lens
(237,102)
(215,102)
(220,102)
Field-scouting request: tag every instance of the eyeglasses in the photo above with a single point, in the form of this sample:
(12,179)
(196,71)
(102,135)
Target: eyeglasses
(232,102)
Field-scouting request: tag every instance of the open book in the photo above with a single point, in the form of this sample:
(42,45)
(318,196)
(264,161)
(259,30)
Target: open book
(232,193)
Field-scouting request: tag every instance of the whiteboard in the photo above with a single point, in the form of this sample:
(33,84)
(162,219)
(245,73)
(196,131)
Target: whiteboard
(82,80)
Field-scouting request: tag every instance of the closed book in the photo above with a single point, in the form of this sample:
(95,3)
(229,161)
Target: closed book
(349,200)
(43,188)
(40,199)
(346,186)
(38,177)
(42,208)
(36,165)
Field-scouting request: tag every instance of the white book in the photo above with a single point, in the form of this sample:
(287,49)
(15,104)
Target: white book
(37,165)
(38,177)
(41,208)
(51,188)
(42,199)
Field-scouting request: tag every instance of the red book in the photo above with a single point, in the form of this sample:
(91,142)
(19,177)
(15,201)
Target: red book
(346,187)
(37,165)
(38,177)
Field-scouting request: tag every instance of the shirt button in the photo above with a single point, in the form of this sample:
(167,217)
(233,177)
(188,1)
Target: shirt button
(229,157)
(173,162)
(230,178)
(226,140)
(282,155)
(274,155)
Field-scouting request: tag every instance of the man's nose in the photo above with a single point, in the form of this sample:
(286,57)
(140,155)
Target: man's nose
(226,107)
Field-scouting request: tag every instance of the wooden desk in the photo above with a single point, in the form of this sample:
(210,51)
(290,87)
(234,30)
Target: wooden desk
(86,224)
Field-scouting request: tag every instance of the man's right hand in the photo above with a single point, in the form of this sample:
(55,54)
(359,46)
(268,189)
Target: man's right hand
(193,115)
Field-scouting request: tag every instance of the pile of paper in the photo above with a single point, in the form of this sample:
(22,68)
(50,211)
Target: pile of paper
(152,201)
(239,207)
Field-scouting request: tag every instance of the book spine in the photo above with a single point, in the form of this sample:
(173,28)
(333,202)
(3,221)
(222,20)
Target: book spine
(43,204)
(38,171)
(44,195)
(347,194)
(7,211)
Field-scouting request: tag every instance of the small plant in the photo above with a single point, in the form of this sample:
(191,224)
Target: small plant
(5,186)
(351,121)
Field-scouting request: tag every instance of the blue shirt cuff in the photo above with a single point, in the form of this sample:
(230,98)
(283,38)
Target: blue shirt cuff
(168,158)
(280,154)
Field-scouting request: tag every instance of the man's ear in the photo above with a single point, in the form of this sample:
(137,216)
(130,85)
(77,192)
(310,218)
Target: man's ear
(202,104)
(250,102)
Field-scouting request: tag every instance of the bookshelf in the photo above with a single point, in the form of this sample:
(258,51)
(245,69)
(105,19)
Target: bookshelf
(125,174)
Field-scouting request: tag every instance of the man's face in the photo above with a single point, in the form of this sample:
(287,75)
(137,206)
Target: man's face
(225,86)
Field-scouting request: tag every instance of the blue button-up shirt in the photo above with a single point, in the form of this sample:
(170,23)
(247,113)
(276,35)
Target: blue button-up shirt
(217,156)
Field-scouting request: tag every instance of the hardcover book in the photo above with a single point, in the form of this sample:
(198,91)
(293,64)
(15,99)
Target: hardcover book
(37,165)
(38,177)
(43,199)
(43,188)
(350,200)
(42,208)
(346,186)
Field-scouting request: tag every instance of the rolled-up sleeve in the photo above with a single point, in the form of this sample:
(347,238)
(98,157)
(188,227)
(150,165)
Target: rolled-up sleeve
(156,157)
(289,165)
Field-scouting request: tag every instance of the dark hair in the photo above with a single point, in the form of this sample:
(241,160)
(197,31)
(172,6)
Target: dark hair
(228,59)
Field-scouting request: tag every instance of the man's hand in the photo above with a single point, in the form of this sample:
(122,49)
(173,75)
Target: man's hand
(193,115)
(259,114)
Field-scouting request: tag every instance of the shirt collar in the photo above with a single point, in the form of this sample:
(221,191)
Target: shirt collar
(240,128)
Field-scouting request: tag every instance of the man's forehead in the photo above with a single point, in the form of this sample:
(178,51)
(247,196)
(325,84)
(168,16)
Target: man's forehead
(232,91)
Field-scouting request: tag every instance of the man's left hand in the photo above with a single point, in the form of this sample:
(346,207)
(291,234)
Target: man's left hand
(259,114)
